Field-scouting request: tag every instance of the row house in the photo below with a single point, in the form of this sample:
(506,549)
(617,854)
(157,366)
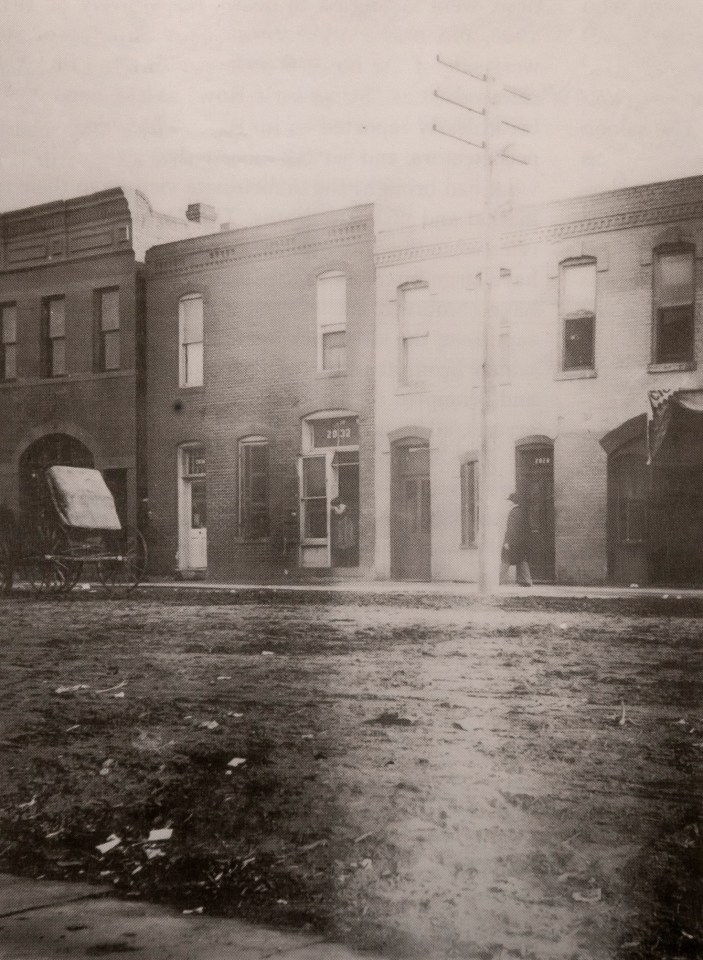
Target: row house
(600,321)
(72,325)
(260,351)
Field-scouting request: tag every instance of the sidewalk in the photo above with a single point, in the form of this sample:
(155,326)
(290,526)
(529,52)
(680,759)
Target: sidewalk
(41,920)
(445,588)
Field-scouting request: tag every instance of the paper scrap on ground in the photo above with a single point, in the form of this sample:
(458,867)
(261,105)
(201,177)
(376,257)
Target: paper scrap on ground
(110,844)
(165,833)
(236,762)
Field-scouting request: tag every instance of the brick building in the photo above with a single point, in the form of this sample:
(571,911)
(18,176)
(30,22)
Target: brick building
(260,399)
(71,340)
(600,306)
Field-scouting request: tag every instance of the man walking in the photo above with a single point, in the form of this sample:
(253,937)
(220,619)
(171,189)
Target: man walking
(515,545)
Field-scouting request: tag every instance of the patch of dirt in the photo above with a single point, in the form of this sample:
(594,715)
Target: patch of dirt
(454,778)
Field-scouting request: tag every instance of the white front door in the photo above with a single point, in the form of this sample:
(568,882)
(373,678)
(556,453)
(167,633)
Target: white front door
(192,539)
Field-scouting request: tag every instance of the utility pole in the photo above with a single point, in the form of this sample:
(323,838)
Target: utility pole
(493,437)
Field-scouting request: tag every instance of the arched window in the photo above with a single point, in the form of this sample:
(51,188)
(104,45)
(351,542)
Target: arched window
(577,310)
(673,296)
(190,325)
(254,488)
(332,321)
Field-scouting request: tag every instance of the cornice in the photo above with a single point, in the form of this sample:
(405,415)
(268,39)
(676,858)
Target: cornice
(215,256)
(550,233)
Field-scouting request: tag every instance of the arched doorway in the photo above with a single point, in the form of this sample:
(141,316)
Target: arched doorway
(534,485)
(55,449)
(411,527)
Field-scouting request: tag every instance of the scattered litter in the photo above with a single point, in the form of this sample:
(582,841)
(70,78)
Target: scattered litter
(592,896)
(137,869)
(314,845)
(165,833)
(154,852)
(231,713)
(245,863)
(83,586)
(224,677)
(210,724)
(110,844)
(678,596)
(364,836)
(236,761)
(683,722)
(105,873)
(634,586)
(282,903)
(219,876)
(72,689)
(106,767)
(562,626)
(50,836)
(306,736)
(267,653)
(28,804)
(462,724)
(665,596)
(366,863)
(118,686)
(194,910)
(563,877)
(120,695)
(74,727)
(391,718)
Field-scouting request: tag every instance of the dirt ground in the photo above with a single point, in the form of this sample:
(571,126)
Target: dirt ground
(425,779)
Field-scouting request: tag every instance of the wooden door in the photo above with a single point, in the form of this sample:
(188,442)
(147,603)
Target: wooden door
(535,488)
(410,516)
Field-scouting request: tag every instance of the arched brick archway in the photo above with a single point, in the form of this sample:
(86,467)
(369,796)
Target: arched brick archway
(50,450)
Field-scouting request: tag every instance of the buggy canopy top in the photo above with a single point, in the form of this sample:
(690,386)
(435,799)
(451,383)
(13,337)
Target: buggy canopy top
(82,498)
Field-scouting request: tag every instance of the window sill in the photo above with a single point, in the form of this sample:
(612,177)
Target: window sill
(199,389)
(313,543)
(681,366)
(65,378)
(584,374)
(468,546)
(330,374)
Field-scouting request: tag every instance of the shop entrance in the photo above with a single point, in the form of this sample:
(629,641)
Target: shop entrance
(192,534)
(411,527)
(534,483)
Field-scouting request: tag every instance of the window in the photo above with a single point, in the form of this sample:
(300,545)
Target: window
(314,498)
(253,488)
(107,312)
(8,341)
(673,305)
(54,337)
(332,321)
(469,503)
(413,301)
(577,308)
(190,321)
(632,483)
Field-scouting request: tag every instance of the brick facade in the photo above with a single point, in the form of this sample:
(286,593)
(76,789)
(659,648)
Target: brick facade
(258,287)
(73,250)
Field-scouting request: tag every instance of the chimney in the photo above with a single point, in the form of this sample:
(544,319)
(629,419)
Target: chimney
(201,213)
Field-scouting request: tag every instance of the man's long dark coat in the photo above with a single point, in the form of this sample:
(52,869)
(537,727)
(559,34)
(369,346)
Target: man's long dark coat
(516,536)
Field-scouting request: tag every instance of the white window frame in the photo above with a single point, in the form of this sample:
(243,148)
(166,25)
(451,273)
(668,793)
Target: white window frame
(411,330)
(184,380)
(580,313)
(327,325)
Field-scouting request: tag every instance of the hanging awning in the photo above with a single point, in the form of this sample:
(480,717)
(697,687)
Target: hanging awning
(676,415)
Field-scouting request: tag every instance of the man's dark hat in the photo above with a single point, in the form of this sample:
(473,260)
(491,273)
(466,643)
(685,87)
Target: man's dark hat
(514,497)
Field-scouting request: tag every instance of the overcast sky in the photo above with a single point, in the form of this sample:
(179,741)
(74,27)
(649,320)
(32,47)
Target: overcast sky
(273,108)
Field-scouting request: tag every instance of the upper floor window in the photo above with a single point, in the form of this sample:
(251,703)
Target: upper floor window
(577,309)
(332,321)
(190,322)
(674,285)
(107,303)
(469,503)
(53,337)
(8,341)
(253,488)
(414,304)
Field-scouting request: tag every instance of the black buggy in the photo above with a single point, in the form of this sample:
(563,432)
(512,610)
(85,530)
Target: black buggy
(74,529)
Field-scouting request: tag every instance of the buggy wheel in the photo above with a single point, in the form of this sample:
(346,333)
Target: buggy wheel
(124,571)
(52,569)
